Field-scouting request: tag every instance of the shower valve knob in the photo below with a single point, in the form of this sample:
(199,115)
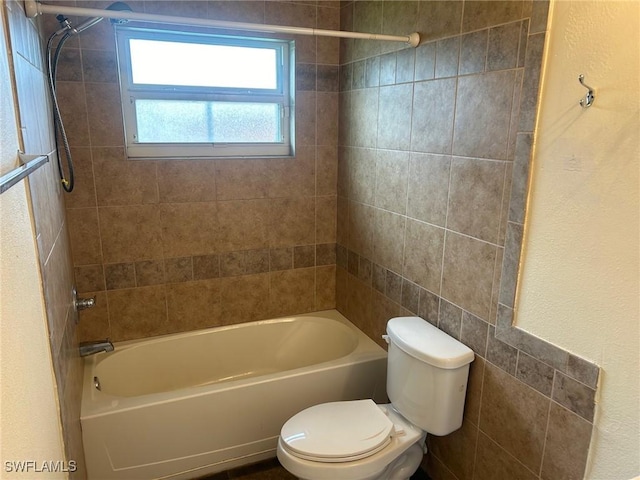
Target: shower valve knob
(83,303)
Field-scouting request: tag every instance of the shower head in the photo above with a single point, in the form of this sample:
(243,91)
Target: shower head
(90,22)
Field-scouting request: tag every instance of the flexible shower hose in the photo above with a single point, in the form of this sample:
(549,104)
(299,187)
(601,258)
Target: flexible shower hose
(58,125)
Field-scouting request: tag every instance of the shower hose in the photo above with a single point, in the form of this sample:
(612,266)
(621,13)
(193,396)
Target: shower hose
(58,126)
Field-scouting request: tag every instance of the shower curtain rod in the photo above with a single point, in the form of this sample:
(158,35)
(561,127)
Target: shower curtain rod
(33,9)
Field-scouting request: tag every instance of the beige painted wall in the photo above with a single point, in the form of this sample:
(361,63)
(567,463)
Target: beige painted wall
(29,416)
(579,284)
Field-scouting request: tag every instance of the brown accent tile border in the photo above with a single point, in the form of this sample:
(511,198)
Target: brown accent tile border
(144,273)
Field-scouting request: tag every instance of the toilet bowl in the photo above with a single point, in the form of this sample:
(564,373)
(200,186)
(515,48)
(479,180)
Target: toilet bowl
(359,440)
(356,440)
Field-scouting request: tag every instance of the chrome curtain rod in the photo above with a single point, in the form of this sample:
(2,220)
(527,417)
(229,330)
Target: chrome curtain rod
(33,9)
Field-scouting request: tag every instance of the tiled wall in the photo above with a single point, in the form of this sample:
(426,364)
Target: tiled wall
(50,226)
(434,147)
(175,245)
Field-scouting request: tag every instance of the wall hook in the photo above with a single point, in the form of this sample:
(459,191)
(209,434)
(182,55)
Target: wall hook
(589,98)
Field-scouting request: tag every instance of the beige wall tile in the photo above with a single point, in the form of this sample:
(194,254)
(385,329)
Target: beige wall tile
(293,177)
(325,287)
(186,8)
(73,109)
(433,115)
(237,11)
(467,277)
(194,305)
(327,122)
(187,181)
(514,416)
(476,183)
(362,175)
(130,233)
(94,322)
(292,221)
(110,154)
(473,399)
(361,228)
(298,15)
(326,211)
(242,179)
(326,170)
(457,450)
(245,298)
(125,182)
(484,13)
(138,313)
(392,170)
(305,118)
(394,116)
(383,309)
(358,308)
(105,122)
(567,445)
(189,228)
(84,234)
(100,66)
(428,188)
(243,225)
(388,240)
(423,247)
(292,291)
(84,191)
(494,463)
(482,128)
(364,119)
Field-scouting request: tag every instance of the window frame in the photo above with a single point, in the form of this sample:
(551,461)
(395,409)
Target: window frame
(283,95)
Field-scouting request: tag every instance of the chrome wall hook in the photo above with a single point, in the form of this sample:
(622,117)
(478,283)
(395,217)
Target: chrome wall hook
(589,98)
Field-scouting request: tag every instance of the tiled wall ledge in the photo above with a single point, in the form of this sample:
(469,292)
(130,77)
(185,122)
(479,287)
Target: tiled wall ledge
(568,379)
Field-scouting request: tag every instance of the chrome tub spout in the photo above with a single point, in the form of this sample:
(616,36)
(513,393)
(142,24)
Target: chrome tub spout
(91,348)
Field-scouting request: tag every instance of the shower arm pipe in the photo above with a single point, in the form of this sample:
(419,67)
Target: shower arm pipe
(33,9)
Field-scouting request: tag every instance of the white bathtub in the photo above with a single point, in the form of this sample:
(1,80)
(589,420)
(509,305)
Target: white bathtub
(192,404)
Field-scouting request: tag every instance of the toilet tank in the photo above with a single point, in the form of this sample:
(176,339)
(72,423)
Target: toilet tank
(427,373)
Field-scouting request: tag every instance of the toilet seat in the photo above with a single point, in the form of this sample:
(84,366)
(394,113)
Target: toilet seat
(338,431)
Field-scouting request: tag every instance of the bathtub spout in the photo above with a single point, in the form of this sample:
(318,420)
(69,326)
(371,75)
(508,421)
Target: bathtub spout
(90,348)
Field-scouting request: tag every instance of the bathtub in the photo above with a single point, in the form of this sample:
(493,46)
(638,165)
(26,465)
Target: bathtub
(192,404)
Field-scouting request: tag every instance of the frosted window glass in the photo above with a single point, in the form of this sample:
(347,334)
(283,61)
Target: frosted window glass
(156,62)
(184,121)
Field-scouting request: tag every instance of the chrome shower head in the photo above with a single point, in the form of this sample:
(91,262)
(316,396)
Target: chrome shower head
(88,23)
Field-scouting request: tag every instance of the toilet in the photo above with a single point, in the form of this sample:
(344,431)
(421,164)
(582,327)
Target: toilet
(427,372)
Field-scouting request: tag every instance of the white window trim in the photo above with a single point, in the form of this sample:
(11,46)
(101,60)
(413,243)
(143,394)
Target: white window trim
(283,95)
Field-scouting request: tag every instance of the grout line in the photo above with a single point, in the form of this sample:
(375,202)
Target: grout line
(546,433)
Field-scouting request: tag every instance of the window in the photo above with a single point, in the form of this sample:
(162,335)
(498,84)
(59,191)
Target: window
(196,95)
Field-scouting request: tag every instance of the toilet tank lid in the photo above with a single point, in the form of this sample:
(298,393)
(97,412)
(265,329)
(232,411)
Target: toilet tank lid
(425,342)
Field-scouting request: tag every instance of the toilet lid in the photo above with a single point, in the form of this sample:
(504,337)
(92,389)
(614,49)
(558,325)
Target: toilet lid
(338,431)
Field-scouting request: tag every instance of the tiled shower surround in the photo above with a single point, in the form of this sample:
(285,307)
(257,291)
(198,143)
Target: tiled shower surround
(174,245)
(406,196)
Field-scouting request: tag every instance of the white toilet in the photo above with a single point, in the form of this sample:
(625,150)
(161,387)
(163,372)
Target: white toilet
(427,372)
